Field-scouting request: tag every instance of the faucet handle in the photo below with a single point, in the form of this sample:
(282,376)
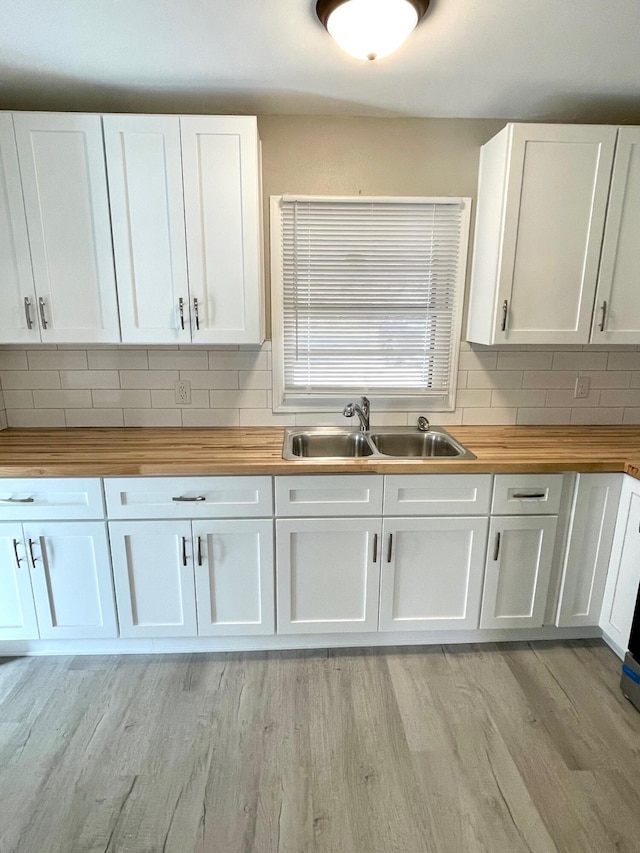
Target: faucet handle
(423,424)
(349,410)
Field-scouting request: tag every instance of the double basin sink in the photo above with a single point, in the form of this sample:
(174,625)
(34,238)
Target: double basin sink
(398,443)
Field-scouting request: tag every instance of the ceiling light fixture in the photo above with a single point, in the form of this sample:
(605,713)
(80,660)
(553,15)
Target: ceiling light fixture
(370,29)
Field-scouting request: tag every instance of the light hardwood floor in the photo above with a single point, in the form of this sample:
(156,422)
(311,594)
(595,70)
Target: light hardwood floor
(457,749)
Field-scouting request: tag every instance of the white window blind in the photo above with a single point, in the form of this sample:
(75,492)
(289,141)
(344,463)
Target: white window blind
(370,298)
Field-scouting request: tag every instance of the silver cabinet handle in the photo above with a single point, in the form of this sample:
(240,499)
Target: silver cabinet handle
(604,315)
(195,313)
(199,550)
(42,314)
(181,310)
(496,550)
(27,312)
(181,499)
(505,311)
(184,550)
(521,496)
(15,551)
(390,549)
(17,500)
(375,547)
(33,559)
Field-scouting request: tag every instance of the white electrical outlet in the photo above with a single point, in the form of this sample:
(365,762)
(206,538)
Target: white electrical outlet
(183,392)
(583,384)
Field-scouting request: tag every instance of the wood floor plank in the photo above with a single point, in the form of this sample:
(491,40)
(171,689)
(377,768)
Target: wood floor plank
(526,748)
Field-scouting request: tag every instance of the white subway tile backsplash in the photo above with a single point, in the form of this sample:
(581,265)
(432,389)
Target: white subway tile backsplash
(181,360)
(210,417)
(231,386)
(62,399)
(94,417)
(89,379)
(22,379)
(59,360)
(580,361)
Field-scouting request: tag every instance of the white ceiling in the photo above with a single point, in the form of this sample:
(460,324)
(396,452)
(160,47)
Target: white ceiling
(572,60)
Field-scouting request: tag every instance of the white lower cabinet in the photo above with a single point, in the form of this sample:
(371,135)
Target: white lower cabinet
(162,568)
(519,562)
(327,574)
(431,573)
(589,549)
(621,590)
(234,577)
(17,610)
(55,581)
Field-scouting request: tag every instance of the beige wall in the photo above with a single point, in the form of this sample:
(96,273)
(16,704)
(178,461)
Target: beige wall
(369,156)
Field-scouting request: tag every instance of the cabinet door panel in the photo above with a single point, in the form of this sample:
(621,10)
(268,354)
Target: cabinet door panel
(589,549)
(619,276)
(145,191)
(222,212)
(327,579)
(15,259)
(17,612)
(518,571)
(433,580)
(154,588)
(65,193)
(71,576)
(234,577)
(553,223)
(621,591)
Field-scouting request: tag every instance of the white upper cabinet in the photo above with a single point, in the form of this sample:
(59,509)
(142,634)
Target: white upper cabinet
(616,317)
(64,186)
(542,200)
(221,172)
(16,277)
(147,211)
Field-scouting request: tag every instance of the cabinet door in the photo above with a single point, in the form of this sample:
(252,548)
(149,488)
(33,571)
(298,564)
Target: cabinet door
(147,210)
(17,612)
(327,575)
(65,194)
(552,225)
(431,573)
(587,557)
(18,322)
(222,210)
(234,577)
(621,591)
(519,561)
(153,574)
(616,319)
(71,577)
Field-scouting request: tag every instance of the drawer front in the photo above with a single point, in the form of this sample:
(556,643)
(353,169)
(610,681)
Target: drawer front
(437,494)
(189,497)
(527,494)
(49,498)
(329,495)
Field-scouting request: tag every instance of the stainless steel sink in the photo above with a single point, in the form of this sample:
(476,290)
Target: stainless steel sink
(326,444)
(398,443)
(419,444)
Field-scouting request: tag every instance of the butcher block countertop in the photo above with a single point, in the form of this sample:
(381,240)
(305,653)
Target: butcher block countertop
(256,450)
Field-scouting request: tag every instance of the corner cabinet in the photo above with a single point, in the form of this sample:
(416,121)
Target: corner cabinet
(185,205)
(543,201)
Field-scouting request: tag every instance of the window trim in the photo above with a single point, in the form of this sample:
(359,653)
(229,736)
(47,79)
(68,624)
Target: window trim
(328,403)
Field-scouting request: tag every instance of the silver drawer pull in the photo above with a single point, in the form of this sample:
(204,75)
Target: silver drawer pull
(496,550)
(196,313)
(181,310)
(505,311)
(535,496)
(17,500)
(15,551)
(189,500)
(604,315)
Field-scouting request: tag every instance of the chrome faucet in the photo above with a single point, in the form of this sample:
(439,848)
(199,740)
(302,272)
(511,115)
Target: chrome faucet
(362,410)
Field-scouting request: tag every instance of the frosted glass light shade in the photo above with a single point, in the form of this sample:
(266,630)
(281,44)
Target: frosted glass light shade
(371,29)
